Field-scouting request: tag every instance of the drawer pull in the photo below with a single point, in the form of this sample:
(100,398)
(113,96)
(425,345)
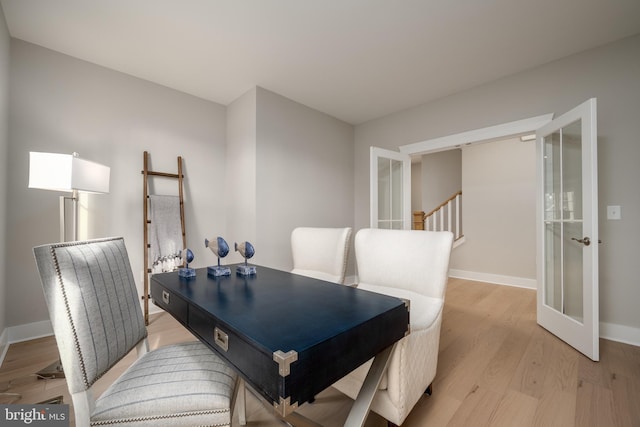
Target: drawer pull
(221,339)
(165,297)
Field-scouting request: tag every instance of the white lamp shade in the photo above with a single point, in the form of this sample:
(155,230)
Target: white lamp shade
(66,172)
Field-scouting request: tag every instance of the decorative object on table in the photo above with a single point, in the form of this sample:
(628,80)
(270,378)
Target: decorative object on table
(187,257)
(220,248)
(247,250)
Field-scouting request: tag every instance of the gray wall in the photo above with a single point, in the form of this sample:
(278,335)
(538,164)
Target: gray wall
(304,174)
(61,104)
(4,163)
(288,166)
(610,73)
(441,177)
(499,214)
(239,191)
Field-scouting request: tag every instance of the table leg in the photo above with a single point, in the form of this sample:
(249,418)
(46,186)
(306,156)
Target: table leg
(360,408)
(294,419)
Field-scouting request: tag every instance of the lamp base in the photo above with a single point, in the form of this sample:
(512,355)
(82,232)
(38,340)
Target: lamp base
(58,400)
(52,371)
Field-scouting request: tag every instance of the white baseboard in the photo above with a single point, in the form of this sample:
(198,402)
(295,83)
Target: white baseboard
(620,333)
(4,345)
(519,282)
(29,331)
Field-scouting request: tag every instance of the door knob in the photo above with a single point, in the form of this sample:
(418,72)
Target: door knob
(585,240)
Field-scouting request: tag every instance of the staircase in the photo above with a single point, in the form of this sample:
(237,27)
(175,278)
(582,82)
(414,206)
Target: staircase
(446,217)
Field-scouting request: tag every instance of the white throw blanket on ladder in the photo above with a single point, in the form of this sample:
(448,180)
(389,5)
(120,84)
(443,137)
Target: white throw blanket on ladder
(165,233)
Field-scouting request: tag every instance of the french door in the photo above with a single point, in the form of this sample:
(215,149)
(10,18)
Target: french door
(390,186)
(567,302)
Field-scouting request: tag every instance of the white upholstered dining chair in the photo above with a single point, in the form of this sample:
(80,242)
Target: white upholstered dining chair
(412,265)
(97,319)
(321,253)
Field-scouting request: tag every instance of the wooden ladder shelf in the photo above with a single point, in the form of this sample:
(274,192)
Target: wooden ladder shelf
(146,174)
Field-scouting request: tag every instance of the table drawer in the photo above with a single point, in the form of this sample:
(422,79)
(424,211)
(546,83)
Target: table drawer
(247,358)
(170,302)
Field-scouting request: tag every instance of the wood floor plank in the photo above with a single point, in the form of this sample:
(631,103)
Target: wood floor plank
(595,406)
(530,374)
(476,409)
(562,374)
(435,410)
(556,409)
(626,411)
(514,409)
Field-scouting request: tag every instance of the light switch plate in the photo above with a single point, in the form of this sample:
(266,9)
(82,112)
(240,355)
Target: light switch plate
(613,212)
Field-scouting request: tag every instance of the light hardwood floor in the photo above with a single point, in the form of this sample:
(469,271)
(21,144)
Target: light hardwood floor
(496,367)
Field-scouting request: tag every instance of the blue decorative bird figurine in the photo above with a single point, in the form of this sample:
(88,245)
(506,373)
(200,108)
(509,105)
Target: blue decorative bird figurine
(219,247)
(187,257)
(247,250)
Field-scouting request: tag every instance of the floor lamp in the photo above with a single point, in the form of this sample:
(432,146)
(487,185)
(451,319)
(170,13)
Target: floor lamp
(66,173)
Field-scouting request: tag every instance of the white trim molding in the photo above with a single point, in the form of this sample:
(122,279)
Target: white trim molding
(498,279)
(4,345)
(620,333)
(491,133)
(29,331)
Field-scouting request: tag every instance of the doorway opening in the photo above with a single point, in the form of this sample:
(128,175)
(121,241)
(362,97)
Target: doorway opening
(498,183)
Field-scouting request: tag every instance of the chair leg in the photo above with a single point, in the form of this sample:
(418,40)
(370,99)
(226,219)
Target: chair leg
(429,390)
(241,402)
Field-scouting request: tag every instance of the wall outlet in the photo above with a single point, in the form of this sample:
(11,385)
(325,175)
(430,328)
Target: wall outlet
(613,212)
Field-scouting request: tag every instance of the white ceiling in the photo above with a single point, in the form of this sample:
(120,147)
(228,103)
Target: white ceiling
(353,59)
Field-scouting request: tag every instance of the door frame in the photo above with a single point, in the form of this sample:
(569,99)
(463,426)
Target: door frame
(492,133)
(509,130)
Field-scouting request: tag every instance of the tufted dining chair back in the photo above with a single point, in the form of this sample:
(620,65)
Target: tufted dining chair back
(321,253)
(412,265)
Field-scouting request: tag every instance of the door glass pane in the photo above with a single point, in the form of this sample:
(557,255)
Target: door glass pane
(390,201)
(562,165)
(572,280)
(572,172)
(553,263)
(384,191)
(396,190)
(552,181)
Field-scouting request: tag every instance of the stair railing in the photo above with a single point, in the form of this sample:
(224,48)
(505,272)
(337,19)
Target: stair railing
(446,217)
